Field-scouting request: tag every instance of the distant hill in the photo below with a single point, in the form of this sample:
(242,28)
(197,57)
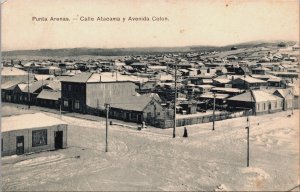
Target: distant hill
(136,51)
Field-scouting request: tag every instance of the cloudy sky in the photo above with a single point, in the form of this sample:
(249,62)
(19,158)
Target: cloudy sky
(190,22)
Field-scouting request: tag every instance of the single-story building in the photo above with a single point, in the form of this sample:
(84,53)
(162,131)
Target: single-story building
(49,98)
(258,101)
(287,96)
(247,82)
(29,133)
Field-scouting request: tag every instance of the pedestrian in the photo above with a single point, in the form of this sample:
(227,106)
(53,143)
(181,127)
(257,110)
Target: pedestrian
(185,134)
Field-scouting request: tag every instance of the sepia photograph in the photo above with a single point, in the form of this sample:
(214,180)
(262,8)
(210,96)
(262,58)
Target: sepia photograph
(141,95)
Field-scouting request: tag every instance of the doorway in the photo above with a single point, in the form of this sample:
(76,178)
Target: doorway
(20,145)
(58,139)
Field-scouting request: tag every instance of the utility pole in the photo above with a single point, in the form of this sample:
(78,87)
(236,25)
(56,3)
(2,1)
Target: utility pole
(214,111)
(248,146)
(107,106)
(60,103)
(175,98)
(292,100)
(28,90)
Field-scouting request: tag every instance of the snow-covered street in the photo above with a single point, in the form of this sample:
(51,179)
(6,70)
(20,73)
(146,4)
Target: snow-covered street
(152,160)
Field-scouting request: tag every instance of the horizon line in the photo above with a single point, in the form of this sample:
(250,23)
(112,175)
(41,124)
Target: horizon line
(137,47)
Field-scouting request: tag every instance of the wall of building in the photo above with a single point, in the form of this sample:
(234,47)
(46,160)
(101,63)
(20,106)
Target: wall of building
(154,114)
(99,93)
(72,92)
(9,139)
(269,106)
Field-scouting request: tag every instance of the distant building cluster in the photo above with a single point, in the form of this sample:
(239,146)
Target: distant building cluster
(141,88)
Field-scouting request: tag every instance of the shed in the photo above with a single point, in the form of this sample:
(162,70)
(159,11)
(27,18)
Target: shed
(28,133)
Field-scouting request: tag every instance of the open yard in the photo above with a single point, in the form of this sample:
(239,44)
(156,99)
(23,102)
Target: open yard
(152,160)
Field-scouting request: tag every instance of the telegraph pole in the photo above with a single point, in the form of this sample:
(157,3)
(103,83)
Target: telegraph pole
(248,146)
(175,98)
(292,100)
(60,103)
(107,106)
(28,90)
(214,111)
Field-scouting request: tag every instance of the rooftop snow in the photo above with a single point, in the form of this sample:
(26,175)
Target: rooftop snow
(12,71)
(28,121)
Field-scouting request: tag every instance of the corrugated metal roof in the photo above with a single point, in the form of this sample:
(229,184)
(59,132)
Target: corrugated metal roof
(10,84)
(131,103)
(257,96)
(249,79)
(79,78)
(49,95)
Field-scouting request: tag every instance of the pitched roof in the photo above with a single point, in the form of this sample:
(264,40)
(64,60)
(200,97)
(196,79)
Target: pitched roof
(79,78)
(9,85)
(256,96)
(113,77)
(49,95)
(131,103)
(211,95)
(263,96)
(34,86)
(226,89)
(283,92)
(221,80)
(54,85)
(247,97)
(12,71)
(42,77)
(249,79)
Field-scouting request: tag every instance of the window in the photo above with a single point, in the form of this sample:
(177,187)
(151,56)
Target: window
(66,103)
(39,137)
(258,107)
(20,98)
(1,144)
(69,88)
(158,113)
(275,104)
(264,106)
(133,116)
(76,104)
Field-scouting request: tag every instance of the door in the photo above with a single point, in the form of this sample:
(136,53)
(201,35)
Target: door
(127,116)
(20,145)
(139,118)
(70,104)
(58,139)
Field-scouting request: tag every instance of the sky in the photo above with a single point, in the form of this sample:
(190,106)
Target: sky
(190,22)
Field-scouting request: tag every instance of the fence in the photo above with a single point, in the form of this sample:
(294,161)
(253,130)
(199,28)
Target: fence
(204,119)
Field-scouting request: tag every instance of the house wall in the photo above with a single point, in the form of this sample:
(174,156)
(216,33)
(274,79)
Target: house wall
(268,106)
(9,139)
(296,102)
(126,115)
(47,103)
(99,93)
(154,113)
(233,105)
(72,92)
